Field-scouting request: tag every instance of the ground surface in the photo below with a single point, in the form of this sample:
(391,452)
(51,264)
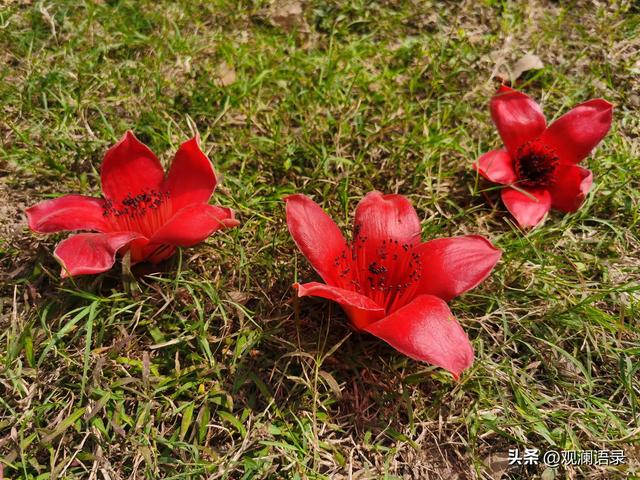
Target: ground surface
(211,369)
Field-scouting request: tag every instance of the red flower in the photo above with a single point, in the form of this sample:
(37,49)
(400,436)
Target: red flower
(540,161)
(389,283)
(143,211)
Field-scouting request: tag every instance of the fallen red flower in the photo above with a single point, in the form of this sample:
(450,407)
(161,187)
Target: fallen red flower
(142,211)
(388,282)
(540,161)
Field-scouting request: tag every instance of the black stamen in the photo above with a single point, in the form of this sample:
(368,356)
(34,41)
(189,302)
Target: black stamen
(135,206)
(536,165)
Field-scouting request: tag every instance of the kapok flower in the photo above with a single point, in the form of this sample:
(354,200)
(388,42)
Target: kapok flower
(143,211)
(540,162)
(387,281)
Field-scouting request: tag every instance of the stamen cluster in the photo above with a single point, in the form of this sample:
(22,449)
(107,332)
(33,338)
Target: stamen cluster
(389,276)
(145,212)
(136,205)
(536,164)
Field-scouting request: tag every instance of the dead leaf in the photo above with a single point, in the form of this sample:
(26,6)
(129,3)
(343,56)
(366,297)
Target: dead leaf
(497,464)
(533,366)
(237,119)
(548,474)
(526,63)
(289,15)
(332,383)
(374,87)
(226,75)
(239,297)
(243,36)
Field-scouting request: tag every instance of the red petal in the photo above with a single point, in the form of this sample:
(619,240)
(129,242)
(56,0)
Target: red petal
(578,131)
(361,310)
(143,251)
(87,253)
(527,211)
(316,235)
(425,329)
(193,224)
(517,117)
(191,178)
(383,217)
(71,212)
(455,265)
(571,187)
(130,168)
(496,166)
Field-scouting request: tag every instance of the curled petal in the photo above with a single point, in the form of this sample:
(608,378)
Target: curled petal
(144,251)
(386,217)
(191,178)
(87,253)
(578,131)
(192,224)
(426,330)
(316,235)
(71,212)
(517,117)
(361,310)
(455,265)
(130,168)
(527,208)
(571,187)
(496,166)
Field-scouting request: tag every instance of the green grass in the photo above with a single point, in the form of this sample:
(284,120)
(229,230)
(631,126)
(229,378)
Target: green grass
(213,369)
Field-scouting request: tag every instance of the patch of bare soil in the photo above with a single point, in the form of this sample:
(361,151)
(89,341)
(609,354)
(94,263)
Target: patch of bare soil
(17,245)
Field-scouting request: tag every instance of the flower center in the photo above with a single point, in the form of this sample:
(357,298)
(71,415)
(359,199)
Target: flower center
(389,274)
(144,213)
(536,164)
